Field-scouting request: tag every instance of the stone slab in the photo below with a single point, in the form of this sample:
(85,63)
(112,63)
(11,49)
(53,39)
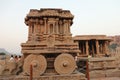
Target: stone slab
(105,73)
(54,77)
(114,73)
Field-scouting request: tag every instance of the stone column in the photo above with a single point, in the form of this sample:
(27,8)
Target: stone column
(29,32)
(32,26)
(87,48)
(41,26)
(93,53)
(65,27)
(101,49)
(35,28)
(105,47)
(45,25)
(30,29)
(97,47)
(83,48)
(69,26)
(53,28)
(38,28)
(60,27)
(57,31)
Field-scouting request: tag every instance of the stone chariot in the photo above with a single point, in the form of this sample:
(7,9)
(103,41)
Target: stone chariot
(50,48)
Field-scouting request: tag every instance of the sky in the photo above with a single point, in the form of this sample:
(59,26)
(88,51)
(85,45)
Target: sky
(91,17)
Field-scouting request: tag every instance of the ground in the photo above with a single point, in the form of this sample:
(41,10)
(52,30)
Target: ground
(109,78)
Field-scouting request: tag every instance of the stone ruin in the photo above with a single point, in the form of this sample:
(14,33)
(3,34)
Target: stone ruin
(94,45)
(101,61)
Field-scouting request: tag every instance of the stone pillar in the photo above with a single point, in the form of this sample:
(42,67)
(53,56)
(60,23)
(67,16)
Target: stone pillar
(65,27)
(32,25)
(38,28)
(87,48)
(57,31)
(83,48)
(101,51)
(41,27)
(29,32)
(97,47)
(69,26)
(60,27)
(29,29)
(105,47)
(53,28)
(45,25)
(35,28)
(93,53)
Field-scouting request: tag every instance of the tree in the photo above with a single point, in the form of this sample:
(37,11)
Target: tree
(2,53)
(113,46)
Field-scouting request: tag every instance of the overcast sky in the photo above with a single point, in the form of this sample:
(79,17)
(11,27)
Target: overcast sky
(91,17)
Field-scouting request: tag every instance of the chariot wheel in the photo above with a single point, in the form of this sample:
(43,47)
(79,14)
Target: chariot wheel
(64,64)
(38,62)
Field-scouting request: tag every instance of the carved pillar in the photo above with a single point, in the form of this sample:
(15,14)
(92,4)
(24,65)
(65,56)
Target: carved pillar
(83,48)
(65,27)
(29,32)
(87,48)
(57,31)
(32,26)
(45,19)
(41,27)
(101,51)
(105,47)
(69,26)
(54,28)
(93,49)
(36,28)
(48,28)
(102,47)
(97,47)
(30,29)
(60,27)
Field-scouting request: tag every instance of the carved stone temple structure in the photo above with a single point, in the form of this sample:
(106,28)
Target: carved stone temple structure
(101,63)
(50,51)
(50,48)
(94,45)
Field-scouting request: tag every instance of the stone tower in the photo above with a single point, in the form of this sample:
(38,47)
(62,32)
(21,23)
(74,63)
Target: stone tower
(50,47)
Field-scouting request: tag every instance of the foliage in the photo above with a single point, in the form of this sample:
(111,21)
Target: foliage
(2,53)
(113,46)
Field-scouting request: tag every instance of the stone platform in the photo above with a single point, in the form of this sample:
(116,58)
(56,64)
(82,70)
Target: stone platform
(53,77)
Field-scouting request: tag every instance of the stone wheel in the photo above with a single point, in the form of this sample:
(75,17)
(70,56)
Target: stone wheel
(38,63)
(64,64)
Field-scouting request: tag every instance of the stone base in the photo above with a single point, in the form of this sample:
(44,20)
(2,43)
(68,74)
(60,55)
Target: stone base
(105,73)
(52,77)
